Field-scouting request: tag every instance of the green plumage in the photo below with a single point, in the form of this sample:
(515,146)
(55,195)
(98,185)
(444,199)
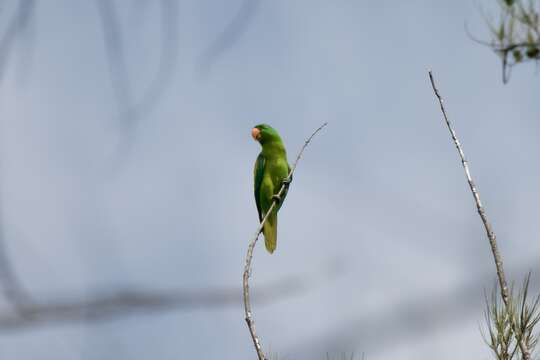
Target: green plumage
(271,169)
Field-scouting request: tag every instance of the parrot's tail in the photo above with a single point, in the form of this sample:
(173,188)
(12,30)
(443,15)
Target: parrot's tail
(270,232)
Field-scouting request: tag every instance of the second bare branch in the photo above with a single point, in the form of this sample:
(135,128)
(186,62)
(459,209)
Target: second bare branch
(487,226)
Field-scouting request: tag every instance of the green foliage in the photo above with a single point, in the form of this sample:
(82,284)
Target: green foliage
(525,312)
(533,52)
(517,56)
(516,36)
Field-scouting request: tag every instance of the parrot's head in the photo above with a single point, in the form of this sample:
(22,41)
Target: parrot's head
(264,133)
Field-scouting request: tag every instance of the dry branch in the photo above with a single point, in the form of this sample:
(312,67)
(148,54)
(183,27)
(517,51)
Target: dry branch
(487,226)
(249,256)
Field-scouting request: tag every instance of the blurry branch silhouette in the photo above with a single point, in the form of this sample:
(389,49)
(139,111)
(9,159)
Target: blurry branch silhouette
(411,319)
(489,231)
(525,313)
(138,10)
(114,47)
(131,111)
(229,36)
(106,306)
(12,288)
(10,285)
(167,61)
(249,256)
(26,50)
(18,23)
(516,36)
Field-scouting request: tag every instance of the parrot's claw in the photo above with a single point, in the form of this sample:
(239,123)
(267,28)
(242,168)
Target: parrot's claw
(276,198)
(287,181)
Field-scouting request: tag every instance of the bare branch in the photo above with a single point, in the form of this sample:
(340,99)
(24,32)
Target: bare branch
(489,231)
(249,256)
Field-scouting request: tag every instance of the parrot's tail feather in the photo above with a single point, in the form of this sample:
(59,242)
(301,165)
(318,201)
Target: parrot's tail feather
(270,232)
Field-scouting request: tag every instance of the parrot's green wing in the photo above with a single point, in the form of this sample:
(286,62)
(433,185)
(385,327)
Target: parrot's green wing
(286,188)
(258,173)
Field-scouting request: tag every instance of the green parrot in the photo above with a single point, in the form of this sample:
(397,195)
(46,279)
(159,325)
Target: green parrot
(270,173)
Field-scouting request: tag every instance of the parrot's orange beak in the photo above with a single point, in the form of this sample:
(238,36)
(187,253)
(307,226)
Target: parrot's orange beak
(255,133)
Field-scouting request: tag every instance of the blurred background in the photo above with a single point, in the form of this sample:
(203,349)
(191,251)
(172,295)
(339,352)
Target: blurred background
(126,200)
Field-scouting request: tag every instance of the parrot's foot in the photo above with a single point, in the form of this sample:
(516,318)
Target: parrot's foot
(286,181)
(276,198)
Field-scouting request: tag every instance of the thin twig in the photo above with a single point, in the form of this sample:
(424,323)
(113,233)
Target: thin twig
(489,231)
(249,256)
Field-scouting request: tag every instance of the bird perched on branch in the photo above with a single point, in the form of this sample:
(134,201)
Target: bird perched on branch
(270,174)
